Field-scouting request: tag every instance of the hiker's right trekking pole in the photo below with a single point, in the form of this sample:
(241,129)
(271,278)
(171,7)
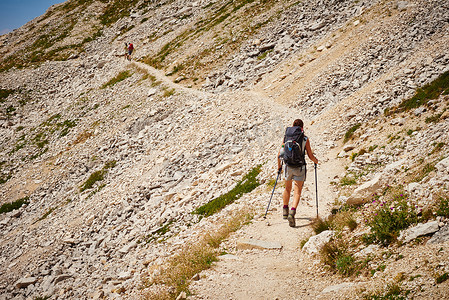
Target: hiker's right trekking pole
(316,192)
(279,174)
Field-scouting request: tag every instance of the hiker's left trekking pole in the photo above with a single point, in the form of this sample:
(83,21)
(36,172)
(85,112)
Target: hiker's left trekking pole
(316,192)
(279,174)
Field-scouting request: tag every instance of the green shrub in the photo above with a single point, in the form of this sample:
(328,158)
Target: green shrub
(7,207)
(335,254)
(248,183)
(443,207)
(351,223)
(434,119)
(372,148)
(428,92)
(120,77)
(350,132)
(49,211)
(4,93)
(97,176)
(391,217)
(442,278)
(348,180)
(392,292)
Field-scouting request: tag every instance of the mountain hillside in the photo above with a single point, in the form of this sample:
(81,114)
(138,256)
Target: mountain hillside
(141,178)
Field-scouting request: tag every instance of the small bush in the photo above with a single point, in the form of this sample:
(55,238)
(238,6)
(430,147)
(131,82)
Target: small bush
(303,242)
(350,132)
(390,218)
(168,92)
(434,118)
(372,148)
(348,180)
(437,148)
(335,254)
(422,173)
(351,223)
(7,207)
(248,183)
(44,216)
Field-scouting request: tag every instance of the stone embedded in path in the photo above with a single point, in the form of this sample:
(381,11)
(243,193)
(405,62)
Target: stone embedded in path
(316,242)
(337,287)
(258,244)
(418,230)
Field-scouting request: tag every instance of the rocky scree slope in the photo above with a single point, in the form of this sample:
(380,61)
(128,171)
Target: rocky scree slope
(146,154)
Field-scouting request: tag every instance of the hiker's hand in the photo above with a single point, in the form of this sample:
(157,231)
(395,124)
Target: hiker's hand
(280,170)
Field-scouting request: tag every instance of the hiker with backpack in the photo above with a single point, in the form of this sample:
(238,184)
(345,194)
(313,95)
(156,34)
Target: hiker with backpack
(129,50)
(292,153)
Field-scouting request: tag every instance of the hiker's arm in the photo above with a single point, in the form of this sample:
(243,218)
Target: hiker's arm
(279,158)
(310,153)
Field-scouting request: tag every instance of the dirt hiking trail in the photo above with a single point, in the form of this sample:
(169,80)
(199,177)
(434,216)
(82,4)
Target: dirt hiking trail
(288,273)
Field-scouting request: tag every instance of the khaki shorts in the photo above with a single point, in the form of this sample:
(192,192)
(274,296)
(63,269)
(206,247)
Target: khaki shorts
(298,174)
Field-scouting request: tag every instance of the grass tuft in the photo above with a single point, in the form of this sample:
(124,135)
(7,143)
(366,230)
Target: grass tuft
(350,132)
(7,207)
(248,183)
(120,77)
(428,92)
(193,258)
(97,176)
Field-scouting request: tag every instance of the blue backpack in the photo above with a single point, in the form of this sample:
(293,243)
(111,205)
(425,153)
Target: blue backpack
(294,147)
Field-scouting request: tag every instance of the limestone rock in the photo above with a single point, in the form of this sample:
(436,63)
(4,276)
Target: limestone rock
(24,282)
(364,192)
(418,230)
(316,242)
(441,236)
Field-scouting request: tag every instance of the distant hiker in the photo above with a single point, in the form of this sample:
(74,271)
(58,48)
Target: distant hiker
(126,51)
(294,146)
(129,50)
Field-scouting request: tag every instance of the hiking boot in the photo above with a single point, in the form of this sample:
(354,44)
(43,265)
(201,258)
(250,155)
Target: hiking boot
(291,218)
(285,213)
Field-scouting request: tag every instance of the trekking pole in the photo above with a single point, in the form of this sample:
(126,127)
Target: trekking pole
(269,202)
(316,192)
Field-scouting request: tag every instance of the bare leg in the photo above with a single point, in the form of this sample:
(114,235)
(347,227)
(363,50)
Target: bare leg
(297,192)
(287,191)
